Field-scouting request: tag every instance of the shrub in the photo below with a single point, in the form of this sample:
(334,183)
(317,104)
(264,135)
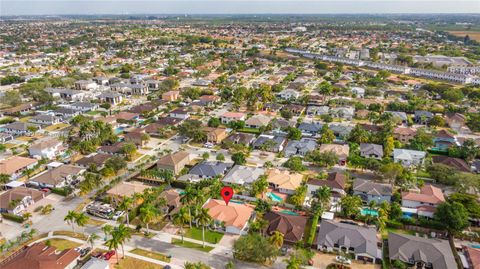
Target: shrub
(62,191)
(394,224)
(13,217)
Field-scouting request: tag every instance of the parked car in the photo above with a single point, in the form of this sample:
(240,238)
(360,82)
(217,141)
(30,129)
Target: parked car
(117,215)
(85,251)
(343,260)
(208,145)
(107,256)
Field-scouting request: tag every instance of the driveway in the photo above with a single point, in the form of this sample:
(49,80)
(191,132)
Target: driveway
(322,260)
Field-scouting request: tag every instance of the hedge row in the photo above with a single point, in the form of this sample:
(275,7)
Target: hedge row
(13,217)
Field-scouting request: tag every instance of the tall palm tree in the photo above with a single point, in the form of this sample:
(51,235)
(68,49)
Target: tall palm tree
(204,219)
(91,239)
(372,205)
(276,239)
(81,220)
(114,243)
(125,206)
(148,214)
(4,179)
(187,199)
(180,218)
(70,219)
(107,229)
(293,263)
(323,195)
(124,234)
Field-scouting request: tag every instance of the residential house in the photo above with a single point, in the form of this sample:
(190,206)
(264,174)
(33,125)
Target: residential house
(369,190)
(243,175)
(443,140)
(41,256)
(317,110)
(289,94)
(172,199)
(15,165)
(4,137)
(456,163)
(371,151)
(67,94)
(115,149)
(44,119)
(408,158)
(228,117)
(309,129)
(58,177)
(174,162)
(66,113)
(422,117)
(48,148)
(137,138)
(85,85)
(207,169)
(420,252)
(20,109)
(232,218)
(400,116)
(96,159)
(284,181)
(457,122)
(404,134)
(300,147)
(335,181)
(342,151)
(269,143)
(209,100)
(358,92)
(82,106)
(341,131)
(424,202)
(472,256)
(240,138)
(180,113)
(296,110)
(170,96)
(153,85)
(257,121)
(292,227)
(16,200)
(362,242)
(21,128)
(215,135)
(345,112)
(112,98)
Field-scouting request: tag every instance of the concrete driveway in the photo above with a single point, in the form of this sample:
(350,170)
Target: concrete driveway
(322,260)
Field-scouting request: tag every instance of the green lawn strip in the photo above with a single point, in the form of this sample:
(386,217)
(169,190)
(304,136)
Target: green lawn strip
(186,244)
(151,254)
(210,236)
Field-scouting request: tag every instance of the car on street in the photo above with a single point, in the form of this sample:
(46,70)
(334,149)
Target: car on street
(117,215)
(343,260)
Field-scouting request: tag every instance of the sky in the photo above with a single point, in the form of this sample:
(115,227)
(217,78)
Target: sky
(93,7)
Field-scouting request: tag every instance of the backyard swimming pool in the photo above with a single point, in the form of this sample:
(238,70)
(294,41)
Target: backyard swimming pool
(288,212)
(274,197)
(366,211)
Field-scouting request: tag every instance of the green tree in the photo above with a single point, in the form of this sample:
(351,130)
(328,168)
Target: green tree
(294,133)
(129,150)
(388,147)
(11,98)
(254,248)
(220,157)
(453,216)
(180,218)
(351,205)
(125,205)
(81,219)
(239,158)
(187,199)
(148,214)
(299,196)
(295,163)
(203,218)
(276,239)
(322,159)
(70,219)
(214,122)
(259,186)
(193,130)
(326,135)
(205,156)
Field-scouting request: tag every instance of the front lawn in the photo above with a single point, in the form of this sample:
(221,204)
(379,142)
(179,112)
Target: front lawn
(62,244)
(249,130)
(210,236)
(151,254)
(129,263)
(186,244)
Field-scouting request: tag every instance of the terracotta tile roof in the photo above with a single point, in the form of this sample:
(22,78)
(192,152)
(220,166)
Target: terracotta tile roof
(334,180)
(234,214)
(473,256)
(15,163)
(457,163)
(39,256)
(174,158)
(428,194)
(404,131)
(18,194)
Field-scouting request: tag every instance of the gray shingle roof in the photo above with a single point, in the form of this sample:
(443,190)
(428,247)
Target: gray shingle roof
(371,187)
(210,169)
(408,247)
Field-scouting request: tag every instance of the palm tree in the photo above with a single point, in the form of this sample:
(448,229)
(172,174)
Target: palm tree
(187,199)
(372,205)
(204,219)
(26,216)
(180,218)
(147,214)
(81,220)
(276,239)
(125,206)
(4,179)
(107,229)
(113,243)
(91,239)
(70,219)
(323,195)
(124,234)
(293,263)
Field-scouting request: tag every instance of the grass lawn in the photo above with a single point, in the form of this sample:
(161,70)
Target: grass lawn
(186,244)
(77,234)
(62,244)
(129,263)
(151,254)
(398,231)
(249,130)
(210,236)
(57,126)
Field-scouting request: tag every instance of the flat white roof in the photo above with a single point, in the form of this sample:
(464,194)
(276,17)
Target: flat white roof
(15,184)
(327,215)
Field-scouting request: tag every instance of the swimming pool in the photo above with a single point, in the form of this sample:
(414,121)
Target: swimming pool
(407,215)
(288,212)
(366,211)
(119,130)
(274,197)
(475,246)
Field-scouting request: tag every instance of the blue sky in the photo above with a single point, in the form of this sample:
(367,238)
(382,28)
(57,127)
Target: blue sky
(54,7)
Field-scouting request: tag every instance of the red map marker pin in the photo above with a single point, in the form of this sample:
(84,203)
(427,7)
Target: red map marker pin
(227,194)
